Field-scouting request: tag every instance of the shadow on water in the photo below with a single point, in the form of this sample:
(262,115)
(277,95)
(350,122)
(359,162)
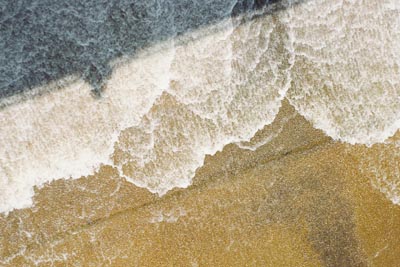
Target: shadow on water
(46,40)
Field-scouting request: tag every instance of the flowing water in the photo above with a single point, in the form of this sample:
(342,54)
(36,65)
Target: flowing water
(163,109)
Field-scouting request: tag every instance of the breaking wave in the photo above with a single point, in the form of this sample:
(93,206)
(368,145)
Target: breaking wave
(164,110)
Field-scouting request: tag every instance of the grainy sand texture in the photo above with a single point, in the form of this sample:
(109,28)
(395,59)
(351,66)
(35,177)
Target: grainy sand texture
(200,133)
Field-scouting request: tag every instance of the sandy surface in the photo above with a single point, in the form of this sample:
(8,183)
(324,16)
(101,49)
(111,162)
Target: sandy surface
(299,200)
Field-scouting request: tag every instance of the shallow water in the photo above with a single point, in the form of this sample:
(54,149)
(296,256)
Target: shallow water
(164,109)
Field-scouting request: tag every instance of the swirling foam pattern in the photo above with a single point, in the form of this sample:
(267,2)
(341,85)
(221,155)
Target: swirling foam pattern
(165,109)
(346,76)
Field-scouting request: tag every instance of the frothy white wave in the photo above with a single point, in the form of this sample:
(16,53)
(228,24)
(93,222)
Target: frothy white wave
(224,87)
(336,61)
(346,76)
(67,133)
(382,162)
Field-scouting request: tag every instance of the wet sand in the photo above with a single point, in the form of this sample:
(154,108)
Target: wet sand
(301,199)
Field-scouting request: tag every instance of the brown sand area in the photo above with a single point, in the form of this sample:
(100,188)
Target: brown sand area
(302,199)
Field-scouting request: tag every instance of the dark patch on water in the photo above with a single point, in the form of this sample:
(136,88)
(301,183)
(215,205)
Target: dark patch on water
(46,40)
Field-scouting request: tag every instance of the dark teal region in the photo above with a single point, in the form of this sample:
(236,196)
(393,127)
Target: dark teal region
(46,40)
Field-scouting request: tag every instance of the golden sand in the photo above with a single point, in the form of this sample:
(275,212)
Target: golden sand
(299,200)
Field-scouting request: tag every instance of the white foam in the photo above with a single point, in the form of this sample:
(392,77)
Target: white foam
(208,102)
(257,142)
(382,163)
(170,216)
(346,76)
(167,108)
(67,133)
(224,87)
